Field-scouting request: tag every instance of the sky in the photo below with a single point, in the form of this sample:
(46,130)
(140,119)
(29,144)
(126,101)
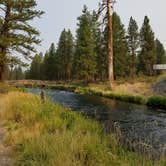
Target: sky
(60,14)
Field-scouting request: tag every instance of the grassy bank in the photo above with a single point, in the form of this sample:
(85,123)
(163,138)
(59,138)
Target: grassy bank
(138,93)
(44,134)
(110,94)
(157,102)
(151,101)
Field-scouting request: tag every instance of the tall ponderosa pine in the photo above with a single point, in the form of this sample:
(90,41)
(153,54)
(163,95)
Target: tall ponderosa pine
(65,53)
(16,34)
(120,49)
(133,45)
(147,57)
(85,58)
(107,6)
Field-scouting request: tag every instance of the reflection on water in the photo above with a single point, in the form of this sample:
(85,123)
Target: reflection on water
(137,123)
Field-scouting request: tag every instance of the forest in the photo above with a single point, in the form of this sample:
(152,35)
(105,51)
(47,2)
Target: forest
(84,57)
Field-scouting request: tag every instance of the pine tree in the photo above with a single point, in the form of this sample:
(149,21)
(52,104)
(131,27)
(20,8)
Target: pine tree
(65,53)
(45,65)
(35,69)
(85,57)
(18,73)
(160,54)
(101,55)
(100,49)
(147,56)
(120,48)
(50,64)
(13,63)
(107,5)
(16,34)
(133,45)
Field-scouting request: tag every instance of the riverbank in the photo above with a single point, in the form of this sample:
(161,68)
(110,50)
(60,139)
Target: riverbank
(158,102)
(138,93)
(48,134)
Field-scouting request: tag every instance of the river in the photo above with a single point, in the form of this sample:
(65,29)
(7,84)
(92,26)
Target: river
(143,127)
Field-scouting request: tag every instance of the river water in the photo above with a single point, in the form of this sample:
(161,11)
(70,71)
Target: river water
(142,127)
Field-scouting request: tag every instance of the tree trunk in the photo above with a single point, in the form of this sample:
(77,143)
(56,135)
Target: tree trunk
(110,44)
(2,72)
(3,46)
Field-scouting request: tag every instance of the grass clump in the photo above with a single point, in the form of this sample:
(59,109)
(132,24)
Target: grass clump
(157,102)
(48,134)
(126,98)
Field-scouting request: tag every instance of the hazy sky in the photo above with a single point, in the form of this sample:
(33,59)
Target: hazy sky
(60,14)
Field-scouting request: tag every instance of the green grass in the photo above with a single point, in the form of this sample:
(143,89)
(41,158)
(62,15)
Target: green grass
(111,95)
(45,134)
(157,102)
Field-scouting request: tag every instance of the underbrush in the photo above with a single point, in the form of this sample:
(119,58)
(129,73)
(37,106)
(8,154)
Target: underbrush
(47,134)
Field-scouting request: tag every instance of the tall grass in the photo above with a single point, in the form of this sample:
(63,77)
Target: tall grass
(45,134)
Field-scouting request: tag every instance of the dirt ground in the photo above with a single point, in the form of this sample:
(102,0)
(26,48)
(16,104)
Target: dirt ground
(5,152)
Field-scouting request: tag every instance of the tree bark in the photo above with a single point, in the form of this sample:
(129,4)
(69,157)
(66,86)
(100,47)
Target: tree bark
(110,44)
(4,32)
(2,72)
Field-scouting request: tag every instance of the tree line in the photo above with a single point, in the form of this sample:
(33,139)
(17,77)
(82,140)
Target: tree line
(85,57)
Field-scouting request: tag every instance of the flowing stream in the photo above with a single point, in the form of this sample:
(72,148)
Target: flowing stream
(141,126)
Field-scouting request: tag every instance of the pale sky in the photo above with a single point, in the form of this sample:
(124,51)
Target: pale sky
(60,14)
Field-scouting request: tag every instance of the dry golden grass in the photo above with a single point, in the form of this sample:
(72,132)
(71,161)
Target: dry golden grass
(135,89)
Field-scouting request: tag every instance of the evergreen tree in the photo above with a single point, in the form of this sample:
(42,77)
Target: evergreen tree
(100,49)
(50,64)
(107,6)
(160,54)
(147,57)
(16,34)
(101,55)
(133,45)
(65,54)
(35,69)
(12,65)
(85,57)
(120,48)
(18,73)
